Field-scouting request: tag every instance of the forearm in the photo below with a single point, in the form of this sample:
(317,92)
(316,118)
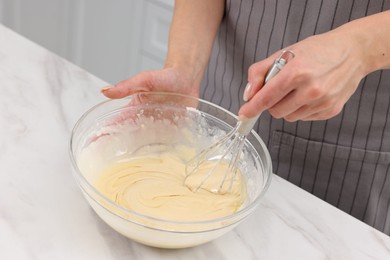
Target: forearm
(371,36)
(193,29)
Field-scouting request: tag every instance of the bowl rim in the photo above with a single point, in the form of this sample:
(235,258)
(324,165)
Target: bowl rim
(251,206)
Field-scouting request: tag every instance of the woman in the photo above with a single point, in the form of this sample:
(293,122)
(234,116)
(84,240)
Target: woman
(325,115)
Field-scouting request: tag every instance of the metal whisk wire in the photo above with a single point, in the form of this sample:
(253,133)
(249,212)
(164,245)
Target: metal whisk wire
(213,153)
(232,143)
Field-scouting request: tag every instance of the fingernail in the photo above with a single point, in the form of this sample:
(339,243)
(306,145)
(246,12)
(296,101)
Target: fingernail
(105,88)
(242,118)
(247,92)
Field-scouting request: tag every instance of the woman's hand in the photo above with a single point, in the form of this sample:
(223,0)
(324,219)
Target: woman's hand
(178,80)
(314,85)
(325,72)
(172,79)
(191,36)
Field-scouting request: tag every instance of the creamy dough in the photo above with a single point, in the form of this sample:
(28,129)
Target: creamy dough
(156,186)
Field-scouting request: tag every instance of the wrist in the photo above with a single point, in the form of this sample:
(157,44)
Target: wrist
(191,36)
(369,40)
(191,69)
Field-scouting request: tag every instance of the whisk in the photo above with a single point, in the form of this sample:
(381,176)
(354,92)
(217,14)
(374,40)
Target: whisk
(224,155)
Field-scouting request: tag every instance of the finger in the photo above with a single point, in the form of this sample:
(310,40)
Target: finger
(256,77)
(324,114)
(138,83)
(274,91)
(302,102)
(290,104)
(323,107)
(307,110)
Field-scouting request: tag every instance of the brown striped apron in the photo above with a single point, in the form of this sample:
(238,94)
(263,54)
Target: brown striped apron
(345,160)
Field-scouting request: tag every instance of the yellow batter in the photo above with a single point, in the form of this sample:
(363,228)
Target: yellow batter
(157,186)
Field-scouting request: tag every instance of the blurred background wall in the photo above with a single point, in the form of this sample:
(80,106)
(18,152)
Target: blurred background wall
(112,39)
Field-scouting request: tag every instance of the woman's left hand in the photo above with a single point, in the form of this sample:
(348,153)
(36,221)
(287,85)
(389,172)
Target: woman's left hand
(314,85)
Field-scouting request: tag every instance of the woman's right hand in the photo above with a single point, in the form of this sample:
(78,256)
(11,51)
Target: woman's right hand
(171,79)
(191,36)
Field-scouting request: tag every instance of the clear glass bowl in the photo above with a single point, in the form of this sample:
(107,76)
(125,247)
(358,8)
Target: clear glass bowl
(171,120)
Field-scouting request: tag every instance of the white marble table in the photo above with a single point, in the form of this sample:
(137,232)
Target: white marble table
(44,216)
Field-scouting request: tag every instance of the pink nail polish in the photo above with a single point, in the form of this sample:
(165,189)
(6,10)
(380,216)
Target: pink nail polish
(242,118)
(247,92)
(105,88)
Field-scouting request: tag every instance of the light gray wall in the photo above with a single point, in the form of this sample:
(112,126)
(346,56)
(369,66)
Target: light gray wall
(112,39)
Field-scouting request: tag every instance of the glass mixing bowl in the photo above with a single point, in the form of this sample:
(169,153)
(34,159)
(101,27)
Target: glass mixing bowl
(154,122)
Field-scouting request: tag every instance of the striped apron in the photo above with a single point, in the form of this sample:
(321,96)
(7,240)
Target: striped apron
(345,160)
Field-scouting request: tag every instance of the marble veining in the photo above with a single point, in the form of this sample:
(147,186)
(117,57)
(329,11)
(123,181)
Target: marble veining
(44,216)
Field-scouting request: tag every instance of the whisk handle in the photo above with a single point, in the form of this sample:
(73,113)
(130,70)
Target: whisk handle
(245,127)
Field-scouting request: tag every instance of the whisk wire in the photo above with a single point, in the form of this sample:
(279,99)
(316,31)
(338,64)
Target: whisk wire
(207,155)
(234,162)
(236,137)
